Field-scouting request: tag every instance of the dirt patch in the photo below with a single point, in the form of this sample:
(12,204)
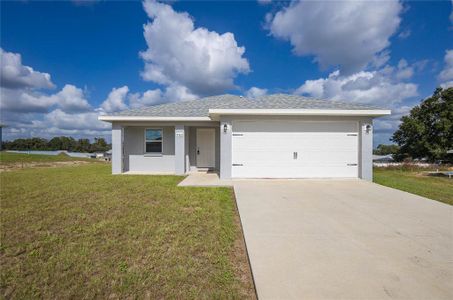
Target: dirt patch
(17,166)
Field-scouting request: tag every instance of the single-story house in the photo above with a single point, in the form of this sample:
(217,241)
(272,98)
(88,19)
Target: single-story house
(274,136)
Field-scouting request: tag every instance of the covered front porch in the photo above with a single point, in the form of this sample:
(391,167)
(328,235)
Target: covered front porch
(165,148)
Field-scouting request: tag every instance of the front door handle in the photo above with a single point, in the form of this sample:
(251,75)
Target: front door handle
(198,151)
(294,155)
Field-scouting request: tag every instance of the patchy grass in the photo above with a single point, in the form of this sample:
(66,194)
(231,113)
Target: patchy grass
(10,161)
(416,182)
(17,158)
(79,232)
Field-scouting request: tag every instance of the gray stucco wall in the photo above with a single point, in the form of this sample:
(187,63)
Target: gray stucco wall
(117,149)
(180,152)
(192,148)
(366,150)
(135,158)
(225,148)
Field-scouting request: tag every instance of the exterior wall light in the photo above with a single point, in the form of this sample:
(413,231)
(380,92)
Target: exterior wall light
(225,128)
(368,128)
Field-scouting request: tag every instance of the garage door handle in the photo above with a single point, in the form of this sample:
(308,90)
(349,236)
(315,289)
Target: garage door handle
(352,165)
(294,155)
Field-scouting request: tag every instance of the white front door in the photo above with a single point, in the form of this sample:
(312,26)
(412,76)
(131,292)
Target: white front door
(295,149)
(205,147)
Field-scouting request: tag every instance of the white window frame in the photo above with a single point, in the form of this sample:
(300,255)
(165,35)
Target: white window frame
(162,141)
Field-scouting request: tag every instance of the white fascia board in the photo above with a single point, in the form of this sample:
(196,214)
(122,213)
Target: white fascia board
(144,118)
(214,113)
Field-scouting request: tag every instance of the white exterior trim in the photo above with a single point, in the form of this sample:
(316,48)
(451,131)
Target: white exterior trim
(215,113)
(142,118)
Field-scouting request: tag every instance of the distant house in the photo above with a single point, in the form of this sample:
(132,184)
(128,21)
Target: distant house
(274,136)
(383,158)
(108,155)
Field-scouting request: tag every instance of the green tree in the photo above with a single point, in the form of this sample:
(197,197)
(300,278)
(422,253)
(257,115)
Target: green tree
(58,143)
(55,143)
(99,145)
(83,145)
(428,130)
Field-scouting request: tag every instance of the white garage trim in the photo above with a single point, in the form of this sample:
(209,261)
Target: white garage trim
(295,149)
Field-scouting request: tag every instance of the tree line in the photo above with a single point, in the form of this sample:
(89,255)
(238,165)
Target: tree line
(58,143)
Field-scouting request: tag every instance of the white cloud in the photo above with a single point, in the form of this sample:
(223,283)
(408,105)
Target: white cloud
(150,97)
(379,88)
(21,87)
(14,75)
(55,123)
(446,75)
(255,92)
(405,34)
(404,70)
(116,100)
(16,100)
(81,121)
(348,34)
(71,99)
(391,123)
(180,55)
(30,112)
(175,92)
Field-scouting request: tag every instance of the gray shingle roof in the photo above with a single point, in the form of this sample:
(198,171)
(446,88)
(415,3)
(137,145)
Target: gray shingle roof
(200,107)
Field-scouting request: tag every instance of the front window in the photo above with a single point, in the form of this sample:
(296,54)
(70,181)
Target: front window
(153,140)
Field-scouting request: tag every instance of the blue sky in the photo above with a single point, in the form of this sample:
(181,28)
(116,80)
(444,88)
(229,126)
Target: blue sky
(85,57)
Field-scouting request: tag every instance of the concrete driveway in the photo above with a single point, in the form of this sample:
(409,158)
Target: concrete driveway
(348,239)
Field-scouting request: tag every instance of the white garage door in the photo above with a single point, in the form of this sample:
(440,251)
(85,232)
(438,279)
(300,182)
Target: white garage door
(294,149)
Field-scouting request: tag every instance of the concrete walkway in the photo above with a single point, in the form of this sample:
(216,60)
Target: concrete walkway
(350,239)
(205,179)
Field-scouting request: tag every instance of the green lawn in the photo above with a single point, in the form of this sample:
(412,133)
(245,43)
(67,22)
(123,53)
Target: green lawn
(14,158)
(80,232)
(415,182)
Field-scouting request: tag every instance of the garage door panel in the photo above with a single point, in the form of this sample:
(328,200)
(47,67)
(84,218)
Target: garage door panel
(303,156)
(255,141)
(324,149)
(295,172)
